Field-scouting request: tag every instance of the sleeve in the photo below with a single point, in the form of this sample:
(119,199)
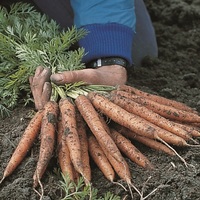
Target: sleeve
(110,25)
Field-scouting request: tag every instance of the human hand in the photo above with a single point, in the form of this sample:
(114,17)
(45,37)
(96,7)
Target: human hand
(105,75)
(40,86)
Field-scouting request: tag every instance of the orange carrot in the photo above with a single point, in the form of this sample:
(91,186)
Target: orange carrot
(146,141)
(156,98)
(25,143)
(197,125)
(68,114)
(91,117)
(130,150)
(81,128)
(164,110)
(133,122)
(140,110)
(100,158)
(121,168)
(190,128)
(127,147)
(48,128)
(64,159)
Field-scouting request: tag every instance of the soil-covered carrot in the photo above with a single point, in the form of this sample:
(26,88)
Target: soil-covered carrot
(30,134)
(196,125)
(140,110)
(193,130)
(91,117)
(146,141)
(156,98)
(130,150)
(126,147)
(48,129)
(133,122)
(164,110)
(100,158)
(121,168)
(64,159)
(81,128)
(68,116)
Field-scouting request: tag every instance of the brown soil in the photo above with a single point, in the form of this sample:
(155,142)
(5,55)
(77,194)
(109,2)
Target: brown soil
(175,75)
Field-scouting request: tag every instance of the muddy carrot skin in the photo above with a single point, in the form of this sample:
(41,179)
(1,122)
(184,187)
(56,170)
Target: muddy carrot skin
(64,159)
(91,117)
(81,128)
(48,130)
(140,110)
(133,122)
(166,111)
(146,141)
(192,129)
(121,168)
(130,150)
(100,158)
(126,147)
(68,116)
(30,134)
(156,98)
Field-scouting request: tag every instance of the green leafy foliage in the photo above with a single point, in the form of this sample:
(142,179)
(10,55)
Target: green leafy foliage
(29,39)
(80,191)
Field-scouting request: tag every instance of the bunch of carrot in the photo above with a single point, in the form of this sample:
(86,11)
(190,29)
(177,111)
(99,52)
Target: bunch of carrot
(78,129)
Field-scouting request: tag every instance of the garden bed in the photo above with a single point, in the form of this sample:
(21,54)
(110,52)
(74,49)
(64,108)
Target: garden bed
(175,75)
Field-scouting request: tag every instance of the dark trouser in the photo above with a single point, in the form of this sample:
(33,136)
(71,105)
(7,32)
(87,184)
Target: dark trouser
(144,43)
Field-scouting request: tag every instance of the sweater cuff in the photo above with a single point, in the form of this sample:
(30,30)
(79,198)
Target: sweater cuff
(107,40)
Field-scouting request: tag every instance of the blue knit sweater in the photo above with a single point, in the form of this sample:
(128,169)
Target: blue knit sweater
(111,26)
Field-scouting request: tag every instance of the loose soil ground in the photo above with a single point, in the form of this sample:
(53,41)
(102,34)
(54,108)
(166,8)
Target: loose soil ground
(175,74)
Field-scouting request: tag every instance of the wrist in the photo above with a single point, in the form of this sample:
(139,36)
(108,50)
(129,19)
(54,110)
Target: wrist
(107,61)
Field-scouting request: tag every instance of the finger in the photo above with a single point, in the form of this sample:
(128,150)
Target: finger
(38,70)
(45,74)
(38,103)
(84,75)
(37,84)
(46,94)
(30,79)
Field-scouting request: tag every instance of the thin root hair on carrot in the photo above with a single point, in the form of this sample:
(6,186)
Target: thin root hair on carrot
(179,156)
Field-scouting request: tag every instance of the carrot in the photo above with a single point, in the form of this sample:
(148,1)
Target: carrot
(121,168)
(130,150)
(190,128)
(149,115)
(91,117)
(25,143)
(100,158)
(123,171)
(197,125)
(156,98)
(133,122)
(48,128)
(127,147)
(64,159)
(81,128)
(146,141)
(68,115)
(164,110)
